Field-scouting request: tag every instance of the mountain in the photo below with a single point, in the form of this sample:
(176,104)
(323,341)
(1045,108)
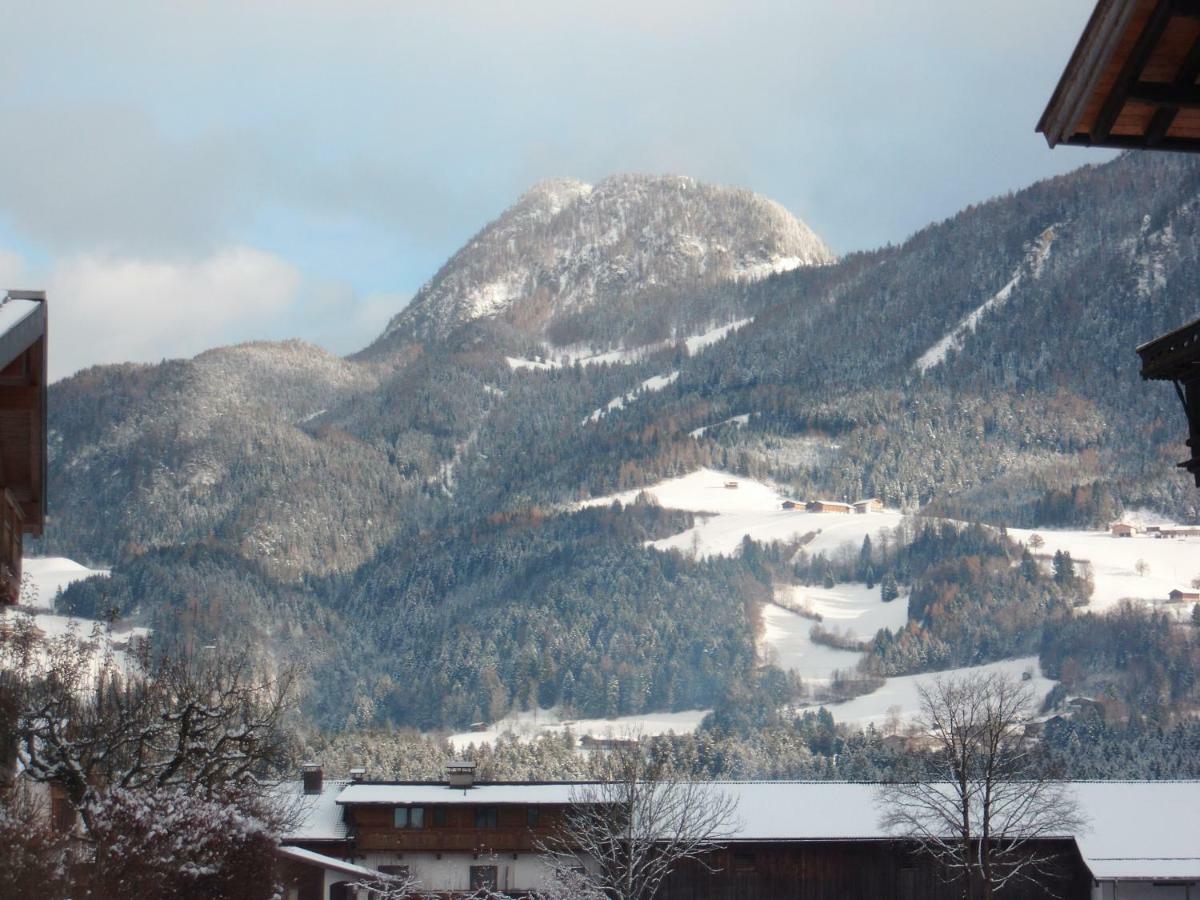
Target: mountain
(403,519)
(566,247)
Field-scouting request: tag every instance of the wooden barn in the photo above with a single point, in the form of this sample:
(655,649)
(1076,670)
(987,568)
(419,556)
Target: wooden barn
(792,841)
(1122,529)
(829,506)
(871,505)
(1184,595)
(22,430)
(1131,84)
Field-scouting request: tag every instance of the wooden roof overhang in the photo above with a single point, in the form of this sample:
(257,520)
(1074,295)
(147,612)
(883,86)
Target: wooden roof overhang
(23,406)
(1131,82)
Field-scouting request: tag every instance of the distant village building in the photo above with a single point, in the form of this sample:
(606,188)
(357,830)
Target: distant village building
(873,505)
(1184,595)
(790,504)
(1178,531)
(1123,529)
(819,840)
(731,485)
(829,506)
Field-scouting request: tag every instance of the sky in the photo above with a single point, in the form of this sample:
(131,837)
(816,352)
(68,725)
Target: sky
(186,174)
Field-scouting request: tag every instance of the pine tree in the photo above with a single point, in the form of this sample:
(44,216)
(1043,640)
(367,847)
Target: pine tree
(888,589)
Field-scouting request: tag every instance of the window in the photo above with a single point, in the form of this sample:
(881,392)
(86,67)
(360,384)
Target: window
(533,816)
(483,878)
(409,817)
(439,816)
(486,817)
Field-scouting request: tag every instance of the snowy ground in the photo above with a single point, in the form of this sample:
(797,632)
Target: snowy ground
(899,697)
(848,608)
(50,574)
(46,576)
(754,508)
(528,725)
(1172,562)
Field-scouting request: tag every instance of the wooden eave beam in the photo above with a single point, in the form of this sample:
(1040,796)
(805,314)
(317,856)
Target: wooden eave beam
(1131,69)
(1088,61)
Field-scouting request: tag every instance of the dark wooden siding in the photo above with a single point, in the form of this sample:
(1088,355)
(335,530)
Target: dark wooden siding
(834,870)
(373,829)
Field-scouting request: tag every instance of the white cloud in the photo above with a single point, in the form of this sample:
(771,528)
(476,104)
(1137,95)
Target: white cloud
(110,309)
(107,309)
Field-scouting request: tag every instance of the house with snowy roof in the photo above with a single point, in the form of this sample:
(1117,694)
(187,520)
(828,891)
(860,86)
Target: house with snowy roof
(792,839)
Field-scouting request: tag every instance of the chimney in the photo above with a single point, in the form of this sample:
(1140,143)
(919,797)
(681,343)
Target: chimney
(312,776)
(358,774)
(460,773)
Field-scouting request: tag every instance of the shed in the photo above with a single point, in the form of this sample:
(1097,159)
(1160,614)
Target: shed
(1122,529)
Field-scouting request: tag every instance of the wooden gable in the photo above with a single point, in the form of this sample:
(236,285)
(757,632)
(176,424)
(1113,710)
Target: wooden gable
(1131,82)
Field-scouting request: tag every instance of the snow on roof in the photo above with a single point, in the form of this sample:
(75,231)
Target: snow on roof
(426,792)
(1140,829)
(318,817)
(14,311)
(328,862)
(1135,830)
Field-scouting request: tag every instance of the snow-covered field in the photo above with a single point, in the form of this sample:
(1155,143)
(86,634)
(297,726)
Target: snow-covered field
(528,725)
(1171,562)
(45,577)
(753,508)
(847,608)
(899,696)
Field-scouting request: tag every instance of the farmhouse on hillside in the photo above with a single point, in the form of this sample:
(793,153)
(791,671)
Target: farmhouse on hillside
(829,506)
(873,505)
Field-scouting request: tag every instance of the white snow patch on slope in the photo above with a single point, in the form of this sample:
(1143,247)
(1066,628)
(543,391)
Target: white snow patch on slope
(1172,562)
(585,355)
(651,384)
(698,342)
(754,508)
(530,724)
(47,575)
(1031,265)
(756,271)
(901,694)
(743,419)
(847,608)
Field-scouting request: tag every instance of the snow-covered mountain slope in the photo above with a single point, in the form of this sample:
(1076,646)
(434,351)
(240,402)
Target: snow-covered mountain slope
(565,246)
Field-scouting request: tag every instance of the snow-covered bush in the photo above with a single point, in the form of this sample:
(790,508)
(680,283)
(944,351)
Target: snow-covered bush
(169,843)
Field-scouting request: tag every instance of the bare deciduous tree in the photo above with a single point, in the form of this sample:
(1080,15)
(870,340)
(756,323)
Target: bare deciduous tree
(88,720)
(981,807)
(624,833)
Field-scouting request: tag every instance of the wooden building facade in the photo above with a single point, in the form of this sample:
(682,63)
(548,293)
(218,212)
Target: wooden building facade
(22,430)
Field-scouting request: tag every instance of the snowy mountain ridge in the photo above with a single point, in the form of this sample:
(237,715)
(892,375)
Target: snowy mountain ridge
(566,245)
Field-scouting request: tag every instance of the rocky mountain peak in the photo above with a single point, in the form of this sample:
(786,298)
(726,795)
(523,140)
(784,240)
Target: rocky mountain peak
(566,245)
